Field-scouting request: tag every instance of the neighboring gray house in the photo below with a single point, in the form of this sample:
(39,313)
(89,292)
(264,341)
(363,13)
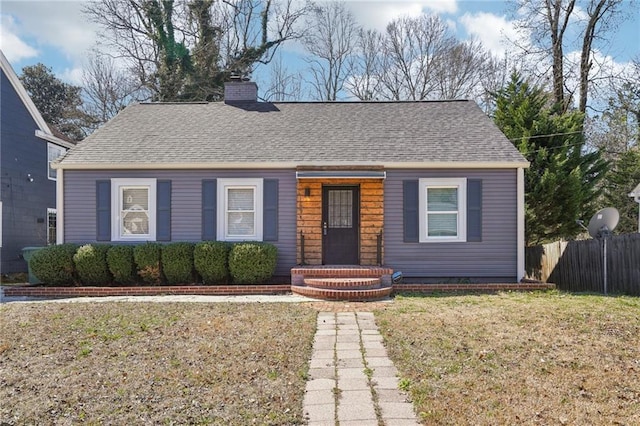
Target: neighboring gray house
(28,195)
(635,194)
(433,189)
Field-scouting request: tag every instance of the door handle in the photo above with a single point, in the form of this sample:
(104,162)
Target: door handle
(324,228)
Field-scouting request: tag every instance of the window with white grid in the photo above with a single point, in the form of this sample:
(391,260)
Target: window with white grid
(443,209)
(240,209)
(133,209)
(53,152)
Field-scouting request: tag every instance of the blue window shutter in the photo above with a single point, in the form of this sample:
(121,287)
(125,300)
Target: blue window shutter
(474,210)
(270,210)
(209,214)
(103,210)
(163,210)
(410,211)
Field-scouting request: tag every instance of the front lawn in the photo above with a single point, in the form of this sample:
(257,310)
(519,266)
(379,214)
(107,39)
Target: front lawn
(538,358)
(154,363)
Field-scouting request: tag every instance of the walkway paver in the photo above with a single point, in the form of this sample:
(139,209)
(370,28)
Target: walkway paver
(352,381)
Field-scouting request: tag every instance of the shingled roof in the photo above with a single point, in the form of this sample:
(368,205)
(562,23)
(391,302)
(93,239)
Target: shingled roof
(292,134)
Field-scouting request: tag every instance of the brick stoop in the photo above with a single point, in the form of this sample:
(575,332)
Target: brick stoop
(345,283)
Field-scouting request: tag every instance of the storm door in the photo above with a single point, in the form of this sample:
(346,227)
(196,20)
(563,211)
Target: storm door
(340,225)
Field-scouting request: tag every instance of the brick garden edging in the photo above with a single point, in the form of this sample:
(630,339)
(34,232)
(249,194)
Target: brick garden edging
(245,290)
(432,288)
(219,290)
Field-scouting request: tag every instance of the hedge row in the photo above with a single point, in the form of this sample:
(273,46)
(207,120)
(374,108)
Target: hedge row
(208,262)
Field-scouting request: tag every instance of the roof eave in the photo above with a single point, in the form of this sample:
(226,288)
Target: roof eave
(292,165)
(22,93)
(53,139)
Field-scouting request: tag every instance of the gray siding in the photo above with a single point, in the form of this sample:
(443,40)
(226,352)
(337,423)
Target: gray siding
(186,212)
(492,258)
(24,203)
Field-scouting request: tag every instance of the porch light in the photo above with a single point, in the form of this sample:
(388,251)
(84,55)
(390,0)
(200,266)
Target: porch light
(307,193)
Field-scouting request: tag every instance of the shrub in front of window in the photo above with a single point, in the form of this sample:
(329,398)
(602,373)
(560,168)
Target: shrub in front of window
(54,264)
(91,264)
(147,260)
(177,263)
(121,266)
(210,260)
(252,263)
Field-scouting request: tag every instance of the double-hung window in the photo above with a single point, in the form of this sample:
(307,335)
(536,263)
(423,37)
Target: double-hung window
(443,209)
(51,226)
(240,209)
(133,203)
(53,152)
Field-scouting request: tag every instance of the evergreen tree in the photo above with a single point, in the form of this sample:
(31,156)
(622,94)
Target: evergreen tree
(59,103)
(561,183)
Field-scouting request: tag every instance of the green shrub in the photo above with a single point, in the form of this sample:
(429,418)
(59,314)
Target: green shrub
(121,266)
(252,263)
(177,263)
(147,259)
(54,264)
(91,264)
(210,261)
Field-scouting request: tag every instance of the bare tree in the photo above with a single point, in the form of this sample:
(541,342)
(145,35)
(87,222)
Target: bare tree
(548,22)
(459,73)
(107,89)
(364,82)
(283,85)
(185,49)
(617,129)
(412,50)
(330,42)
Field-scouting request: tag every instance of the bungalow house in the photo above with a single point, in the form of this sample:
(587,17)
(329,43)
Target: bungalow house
(432,189)
(28,195)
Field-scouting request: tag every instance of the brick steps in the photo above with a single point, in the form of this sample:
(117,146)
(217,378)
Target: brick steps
(345,283)
(369,295)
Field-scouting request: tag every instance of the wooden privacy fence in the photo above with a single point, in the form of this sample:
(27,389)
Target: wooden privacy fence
(578,265)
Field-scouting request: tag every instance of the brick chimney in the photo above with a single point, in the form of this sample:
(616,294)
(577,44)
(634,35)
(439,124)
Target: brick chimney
(237,90)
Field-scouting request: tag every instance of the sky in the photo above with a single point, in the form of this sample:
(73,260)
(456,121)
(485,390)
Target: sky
(57,34)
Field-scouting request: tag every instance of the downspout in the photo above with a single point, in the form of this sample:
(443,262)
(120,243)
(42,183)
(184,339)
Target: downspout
(520,227)
(60,206)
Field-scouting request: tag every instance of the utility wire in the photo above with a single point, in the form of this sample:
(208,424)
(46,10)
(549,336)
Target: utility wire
(545,136)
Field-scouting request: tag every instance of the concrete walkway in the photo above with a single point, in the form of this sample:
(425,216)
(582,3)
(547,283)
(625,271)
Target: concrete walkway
(351,379)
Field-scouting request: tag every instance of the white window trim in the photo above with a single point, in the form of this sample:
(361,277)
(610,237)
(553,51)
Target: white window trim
(63,151)
(223,186)
(116,185)
(461,184)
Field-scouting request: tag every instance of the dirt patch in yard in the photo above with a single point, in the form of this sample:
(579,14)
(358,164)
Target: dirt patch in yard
(518,358)
(135,363)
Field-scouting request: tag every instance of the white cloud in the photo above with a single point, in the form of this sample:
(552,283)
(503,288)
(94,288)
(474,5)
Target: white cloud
(12,46)
(59,24)
(492,30)
(72,76)
(442,6)
(377,14)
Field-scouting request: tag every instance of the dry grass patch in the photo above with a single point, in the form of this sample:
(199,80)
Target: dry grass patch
(135,363)
(537,358)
